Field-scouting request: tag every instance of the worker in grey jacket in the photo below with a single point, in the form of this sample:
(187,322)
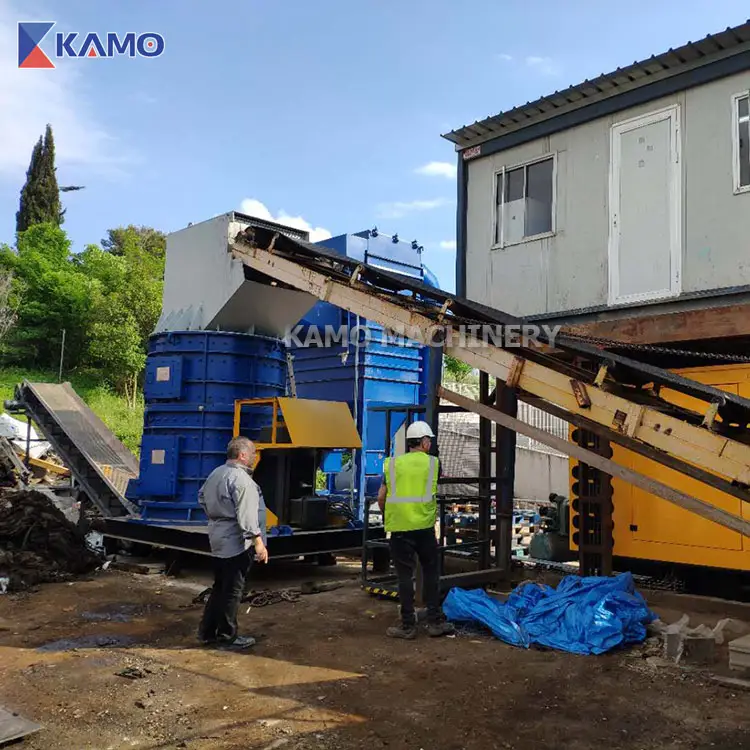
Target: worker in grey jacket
(237,534)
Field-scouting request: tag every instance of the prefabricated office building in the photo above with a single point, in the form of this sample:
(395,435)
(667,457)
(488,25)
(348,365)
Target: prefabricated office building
(620,208)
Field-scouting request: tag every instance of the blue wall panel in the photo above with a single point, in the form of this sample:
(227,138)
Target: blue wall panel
(192,381)
(374,372)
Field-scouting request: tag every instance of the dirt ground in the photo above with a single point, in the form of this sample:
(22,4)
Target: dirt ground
(324,676)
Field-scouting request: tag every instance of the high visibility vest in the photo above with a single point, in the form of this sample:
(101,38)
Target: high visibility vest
(411,484)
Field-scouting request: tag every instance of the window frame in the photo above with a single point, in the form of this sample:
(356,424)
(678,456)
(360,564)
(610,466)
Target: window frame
(509,168)
(738,189)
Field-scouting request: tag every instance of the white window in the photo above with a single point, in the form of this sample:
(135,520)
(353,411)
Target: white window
(741,141)
(524,202)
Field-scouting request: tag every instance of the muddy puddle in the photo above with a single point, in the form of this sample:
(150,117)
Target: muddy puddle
(115,613)
(88,641)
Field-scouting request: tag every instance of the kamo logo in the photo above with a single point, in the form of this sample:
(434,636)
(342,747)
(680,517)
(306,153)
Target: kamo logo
(31,55)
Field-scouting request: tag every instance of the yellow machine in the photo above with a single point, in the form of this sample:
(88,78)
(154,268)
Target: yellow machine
(649,528)
(291,451)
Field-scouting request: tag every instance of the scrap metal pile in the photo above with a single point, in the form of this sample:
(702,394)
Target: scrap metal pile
(38,543)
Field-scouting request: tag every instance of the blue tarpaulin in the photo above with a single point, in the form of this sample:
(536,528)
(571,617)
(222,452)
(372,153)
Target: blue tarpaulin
(584,615)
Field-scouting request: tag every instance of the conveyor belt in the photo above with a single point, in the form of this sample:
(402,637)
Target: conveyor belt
(619,396)
(448,309)
(99,462)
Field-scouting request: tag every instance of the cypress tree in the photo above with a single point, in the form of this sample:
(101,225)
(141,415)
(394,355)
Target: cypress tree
(40,196)
(27,210)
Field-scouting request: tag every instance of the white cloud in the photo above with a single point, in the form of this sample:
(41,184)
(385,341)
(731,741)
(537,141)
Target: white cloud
(504,57)
(253,207)
(544,65)
(399,209)
(438,169)
(448,245)
(32,98)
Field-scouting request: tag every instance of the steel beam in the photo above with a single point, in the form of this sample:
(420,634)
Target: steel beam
(701,324)
(641,449)
(432,404)
(591,499)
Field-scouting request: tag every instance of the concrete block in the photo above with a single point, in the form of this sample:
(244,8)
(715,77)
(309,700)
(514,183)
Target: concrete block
(740,644)
(699,649)
(731,682)
(739,654)
(738,661)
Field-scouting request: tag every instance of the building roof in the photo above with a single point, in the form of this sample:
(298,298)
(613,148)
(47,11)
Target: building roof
(692,55)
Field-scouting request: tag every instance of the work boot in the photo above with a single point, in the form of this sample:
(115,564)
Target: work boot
(403,631)
(204,638)
(240,642)
(436,629)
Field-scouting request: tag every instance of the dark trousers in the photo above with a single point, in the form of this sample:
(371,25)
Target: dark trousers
(220,615)
(406,546)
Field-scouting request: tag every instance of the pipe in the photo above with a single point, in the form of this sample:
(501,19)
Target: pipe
(357,485)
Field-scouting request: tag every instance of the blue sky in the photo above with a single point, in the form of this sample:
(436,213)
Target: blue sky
(327,111)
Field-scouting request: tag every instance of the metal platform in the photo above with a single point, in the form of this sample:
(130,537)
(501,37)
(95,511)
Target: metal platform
(103,466)
(98,461)
(13,727)
(194,539)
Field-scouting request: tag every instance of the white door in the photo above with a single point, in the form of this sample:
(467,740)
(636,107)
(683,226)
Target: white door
(645,208)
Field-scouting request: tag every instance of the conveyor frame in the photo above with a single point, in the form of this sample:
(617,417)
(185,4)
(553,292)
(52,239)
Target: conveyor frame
(619,394)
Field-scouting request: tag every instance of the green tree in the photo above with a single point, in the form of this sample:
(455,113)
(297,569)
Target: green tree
(107,270)
(143,251)
(40,195)
(9,304)
(29,211)
(56,296)
(115,345)
(107,300)
(151,241)
(457,369)
(129,278)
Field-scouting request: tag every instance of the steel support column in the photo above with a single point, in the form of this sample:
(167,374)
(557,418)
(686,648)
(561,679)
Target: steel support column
(434,377)
(505,468)
(485,470)
(592,506)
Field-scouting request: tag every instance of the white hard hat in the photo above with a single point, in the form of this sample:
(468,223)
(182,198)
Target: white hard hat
(418,430)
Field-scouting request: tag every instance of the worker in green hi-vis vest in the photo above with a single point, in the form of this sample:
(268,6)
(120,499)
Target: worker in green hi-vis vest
(407,498)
